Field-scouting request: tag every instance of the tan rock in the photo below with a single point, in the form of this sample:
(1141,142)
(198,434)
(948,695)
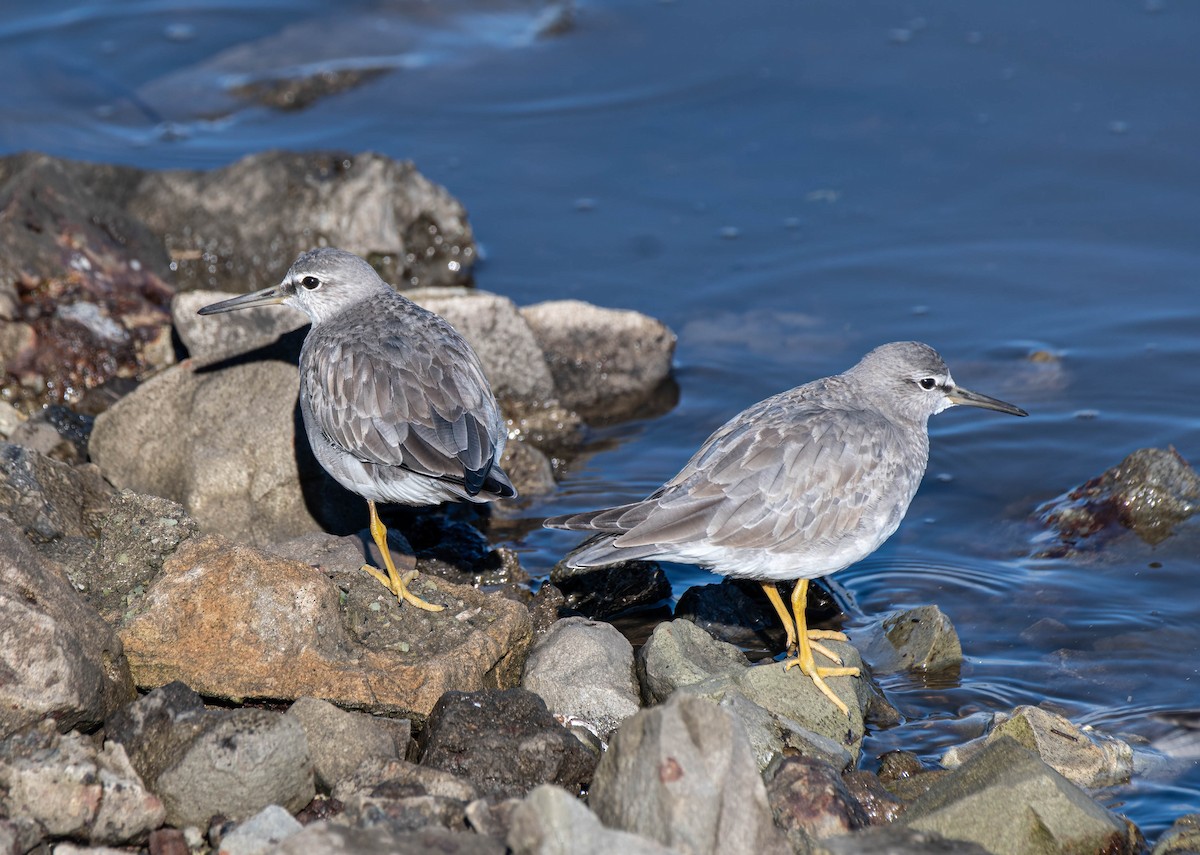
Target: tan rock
(233,622)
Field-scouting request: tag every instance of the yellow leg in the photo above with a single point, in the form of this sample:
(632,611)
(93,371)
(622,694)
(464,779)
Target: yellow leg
(804,654)
(777,601)
(393,581)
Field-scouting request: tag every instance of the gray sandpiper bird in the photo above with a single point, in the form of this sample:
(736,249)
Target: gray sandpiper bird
(395,402)
(798,486)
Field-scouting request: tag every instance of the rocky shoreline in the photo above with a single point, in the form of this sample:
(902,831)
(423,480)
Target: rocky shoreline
(194,661)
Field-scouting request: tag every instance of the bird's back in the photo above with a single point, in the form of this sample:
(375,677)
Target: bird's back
(398,408)
(797,486)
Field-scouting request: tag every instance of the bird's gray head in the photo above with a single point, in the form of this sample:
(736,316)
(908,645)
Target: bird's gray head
(908,379)
(321,283)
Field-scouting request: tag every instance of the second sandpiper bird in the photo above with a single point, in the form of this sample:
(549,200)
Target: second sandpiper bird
(796,487)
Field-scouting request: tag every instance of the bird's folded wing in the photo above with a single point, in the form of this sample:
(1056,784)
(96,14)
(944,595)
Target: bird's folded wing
(395,404)
(774,478)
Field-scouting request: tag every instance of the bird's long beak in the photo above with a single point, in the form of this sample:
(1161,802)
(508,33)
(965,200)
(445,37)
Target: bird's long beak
(967,398)
(266,297)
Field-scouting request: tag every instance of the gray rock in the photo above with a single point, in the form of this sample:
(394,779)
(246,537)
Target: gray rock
(602,592)
(1009,801)
(496,329)
(60,660)
(339,741)
(229,457)
(329,839)
(49,499)
(550,821)
(895,840)
(404,796)
(916,639)
(1182,838)
(679,653)
(156,729)
(209,340)
(601,358)
(245,760)
(1084,756)
(241,226)
(66,788)
(795,700)
(137,534)
(682,774)
(583,669)
(262,833)
(809,801)
(1150,492)
(503,742)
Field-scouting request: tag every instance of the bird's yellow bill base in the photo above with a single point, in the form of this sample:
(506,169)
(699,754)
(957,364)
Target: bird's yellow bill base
(804,639)
(393,581)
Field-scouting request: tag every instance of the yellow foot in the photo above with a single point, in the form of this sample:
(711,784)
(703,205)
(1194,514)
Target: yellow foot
(816,675)
(400,588)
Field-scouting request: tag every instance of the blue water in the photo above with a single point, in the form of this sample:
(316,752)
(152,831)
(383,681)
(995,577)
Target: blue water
(786,184)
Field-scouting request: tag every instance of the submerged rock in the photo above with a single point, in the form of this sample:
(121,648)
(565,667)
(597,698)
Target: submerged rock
(1150,492)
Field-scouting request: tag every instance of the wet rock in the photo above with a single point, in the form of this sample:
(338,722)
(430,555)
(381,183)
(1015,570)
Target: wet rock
(261,834)
(602,592)
(917,639)
(236,623)
(339,741)
(242,761)
(879,806)
(63,787)
(583,670)
(56,431)
(404,796)
(241,226)
(547,607)
(48,499)
(682,774)
(503,742)
(1008,801)
(89,280)
(1083,756)
(512,359)
(679,653)
(550,821)
(809,801)
(738,612)
(528,467)
(601,359)
(60,661)
(1149,492)
(1182,838)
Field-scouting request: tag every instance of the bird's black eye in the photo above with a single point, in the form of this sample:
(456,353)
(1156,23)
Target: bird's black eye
(927,383)
(310,282)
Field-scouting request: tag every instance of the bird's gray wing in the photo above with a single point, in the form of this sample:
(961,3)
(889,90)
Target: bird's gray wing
(783,474)
(407,401)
